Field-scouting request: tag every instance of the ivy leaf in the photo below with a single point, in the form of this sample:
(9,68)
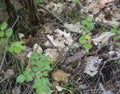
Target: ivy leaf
(3,26)
(9,32)
(20,78)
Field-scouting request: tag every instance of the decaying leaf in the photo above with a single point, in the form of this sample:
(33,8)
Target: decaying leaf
(103,2)
(103,39)
(21,35)
(52,53)
(59,88)
(16,4)
(29,54)
(47,43)
(92,64)
(56,8)
(3,12)
(104,91)
(9,73)
(16,90)
(60,38)
(37,48)
(63,35)
(60,75)
(76,57)
(114,21)
(56,42)
(64,90)
(74,27)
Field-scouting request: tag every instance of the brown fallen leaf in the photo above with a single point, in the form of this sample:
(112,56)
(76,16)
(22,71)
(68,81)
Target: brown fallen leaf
(9,73)
(103,2)
(52,53)
(76,57)
(60,75)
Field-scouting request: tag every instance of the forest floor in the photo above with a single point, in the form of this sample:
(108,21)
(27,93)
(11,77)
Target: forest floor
(82,40)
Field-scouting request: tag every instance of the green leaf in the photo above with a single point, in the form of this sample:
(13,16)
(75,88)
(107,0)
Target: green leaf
(17,43)
(75,1)
(9,32)
(117,37)
(20,78)
(119,62)
(114,26)
(3,40)
(46,82)
(90,18)
(37,83)
(45,73)
(35,69)
(84,22)
(113,31)
(2,33)
(118,44)
(35,56)
(118,31)
(88,46)
(48,68)
(82,40)
(32,62)
(87,36)
(3,26)
(29,75)
(90,26)
(16,47)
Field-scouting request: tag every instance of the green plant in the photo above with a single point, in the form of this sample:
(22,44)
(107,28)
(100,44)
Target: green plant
(75,1)
(88,25)
(40,67)
(119,62)
(116,31)
(85,39)
(5,34)
(16,47)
